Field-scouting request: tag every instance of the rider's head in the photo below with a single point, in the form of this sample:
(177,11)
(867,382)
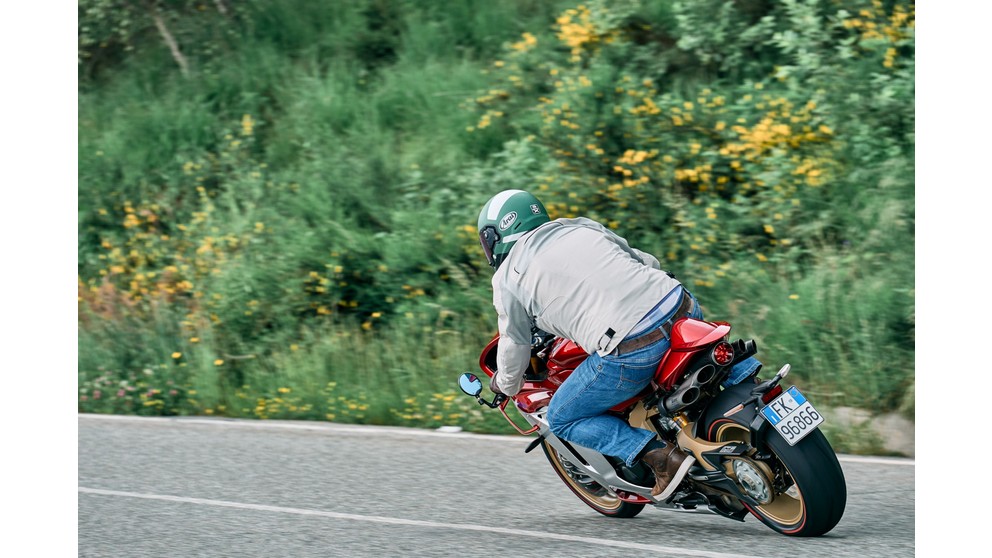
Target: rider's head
(504,219)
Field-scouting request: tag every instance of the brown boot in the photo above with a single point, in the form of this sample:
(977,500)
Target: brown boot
(667,463)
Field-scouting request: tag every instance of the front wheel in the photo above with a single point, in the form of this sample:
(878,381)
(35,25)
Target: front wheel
(588,490)
(808,489)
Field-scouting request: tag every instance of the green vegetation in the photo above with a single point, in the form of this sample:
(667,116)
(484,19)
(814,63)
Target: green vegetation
(277,199)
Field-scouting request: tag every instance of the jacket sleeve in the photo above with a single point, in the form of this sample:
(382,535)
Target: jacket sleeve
(512,360)
(513,351)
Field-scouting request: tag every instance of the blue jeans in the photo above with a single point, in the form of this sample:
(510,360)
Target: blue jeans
(578,411)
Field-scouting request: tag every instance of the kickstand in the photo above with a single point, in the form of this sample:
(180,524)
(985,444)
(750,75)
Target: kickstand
(537,441)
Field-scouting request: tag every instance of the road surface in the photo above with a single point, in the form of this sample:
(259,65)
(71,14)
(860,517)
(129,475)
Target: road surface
(199,487)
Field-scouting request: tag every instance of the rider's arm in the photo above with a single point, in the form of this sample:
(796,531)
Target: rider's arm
(513,352)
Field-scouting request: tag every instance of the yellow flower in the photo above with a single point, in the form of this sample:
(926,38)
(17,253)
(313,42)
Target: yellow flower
(177,355)
(218,362)
(794,297)
(528,42)
(247,124)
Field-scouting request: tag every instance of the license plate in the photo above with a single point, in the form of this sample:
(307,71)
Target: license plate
(792,415)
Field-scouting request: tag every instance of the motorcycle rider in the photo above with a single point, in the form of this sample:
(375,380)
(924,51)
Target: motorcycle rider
(579,280)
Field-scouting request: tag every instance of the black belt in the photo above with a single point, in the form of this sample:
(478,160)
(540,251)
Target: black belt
(663,331)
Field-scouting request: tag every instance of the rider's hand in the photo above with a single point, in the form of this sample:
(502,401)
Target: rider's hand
(493,387)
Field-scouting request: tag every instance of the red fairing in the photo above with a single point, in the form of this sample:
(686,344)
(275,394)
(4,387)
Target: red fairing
(565,355)
(532,400)
(689,335)
(487,360)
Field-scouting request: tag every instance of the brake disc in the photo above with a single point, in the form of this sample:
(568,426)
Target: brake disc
(755,479)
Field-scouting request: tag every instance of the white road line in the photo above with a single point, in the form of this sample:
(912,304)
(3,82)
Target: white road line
(373,430)
(877,460)
(358,429)
(673,550)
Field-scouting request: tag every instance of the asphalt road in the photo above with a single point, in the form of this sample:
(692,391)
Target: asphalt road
(152,487)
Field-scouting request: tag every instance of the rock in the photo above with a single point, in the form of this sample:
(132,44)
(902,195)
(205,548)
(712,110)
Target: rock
(895,432)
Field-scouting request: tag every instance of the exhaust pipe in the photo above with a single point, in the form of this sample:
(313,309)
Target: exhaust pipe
(744,349)
(690,390)
(703,376)
(686,395)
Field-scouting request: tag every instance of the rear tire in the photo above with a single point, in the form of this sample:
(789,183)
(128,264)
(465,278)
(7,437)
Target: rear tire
(810,491)
(589,491)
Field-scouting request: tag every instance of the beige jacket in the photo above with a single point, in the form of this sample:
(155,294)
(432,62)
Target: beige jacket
(576,279)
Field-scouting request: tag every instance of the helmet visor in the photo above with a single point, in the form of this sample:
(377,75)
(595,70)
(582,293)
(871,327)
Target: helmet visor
(488,237)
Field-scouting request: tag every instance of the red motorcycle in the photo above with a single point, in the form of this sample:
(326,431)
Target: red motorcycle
(758,448)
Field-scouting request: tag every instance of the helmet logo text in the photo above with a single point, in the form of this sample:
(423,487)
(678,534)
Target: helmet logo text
(535,209)
(507,220)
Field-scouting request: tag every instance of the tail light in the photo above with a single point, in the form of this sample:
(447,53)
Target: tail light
(772,394)
(722,354)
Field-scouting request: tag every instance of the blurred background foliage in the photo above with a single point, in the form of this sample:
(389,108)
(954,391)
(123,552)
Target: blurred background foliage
(277,199)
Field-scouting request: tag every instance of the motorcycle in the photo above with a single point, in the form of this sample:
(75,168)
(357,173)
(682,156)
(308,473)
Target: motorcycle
(758,447)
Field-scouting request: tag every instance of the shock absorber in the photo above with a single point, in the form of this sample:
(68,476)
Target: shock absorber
(670,425)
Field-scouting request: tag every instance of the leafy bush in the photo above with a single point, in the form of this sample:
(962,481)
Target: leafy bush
(748,170)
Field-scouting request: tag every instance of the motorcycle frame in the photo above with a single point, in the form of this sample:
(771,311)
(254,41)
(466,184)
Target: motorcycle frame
(689,337)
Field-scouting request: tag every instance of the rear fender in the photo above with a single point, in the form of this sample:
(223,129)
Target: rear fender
(726,400)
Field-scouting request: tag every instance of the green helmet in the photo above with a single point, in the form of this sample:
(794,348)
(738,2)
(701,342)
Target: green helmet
(504,219)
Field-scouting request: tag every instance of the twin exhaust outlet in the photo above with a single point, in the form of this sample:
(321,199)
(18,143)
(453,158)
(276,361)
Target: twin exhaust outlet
(690,390)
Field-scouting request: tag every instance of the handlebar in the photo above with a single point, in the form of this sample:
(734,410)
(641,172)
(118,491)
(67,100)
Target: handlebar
(496,402)
(540,342)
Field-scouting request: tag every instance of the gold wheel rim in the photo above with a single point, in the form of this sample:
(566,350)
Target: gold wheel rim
(606,501)
(784,509)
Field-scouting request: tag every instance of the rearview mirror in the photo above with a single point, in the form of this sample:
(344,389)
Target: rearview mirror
(470,384)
